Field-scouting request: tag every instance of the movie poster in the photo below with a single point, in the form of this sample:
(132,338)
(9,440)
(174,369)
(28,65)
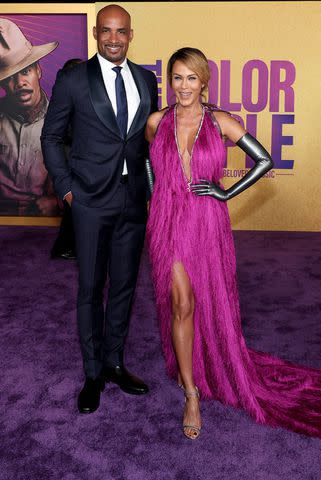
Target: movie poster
(32,50)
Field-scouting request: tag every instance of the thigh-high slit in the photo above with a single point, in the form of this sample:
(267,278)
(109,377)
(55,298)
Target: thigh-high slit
(197,232)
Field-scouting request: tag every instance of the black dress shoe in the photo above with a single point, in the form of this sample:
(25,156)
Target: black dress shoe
(68,254)
(89,397)
(126,381)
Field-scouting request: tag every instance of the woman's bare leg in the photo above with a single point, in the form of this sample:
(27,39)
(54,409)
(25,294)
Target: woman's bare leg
(183,338)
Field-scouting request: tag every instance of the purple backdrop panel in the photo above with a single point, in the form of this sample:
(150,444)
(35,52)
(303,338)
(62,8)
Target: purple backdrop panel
(70,30)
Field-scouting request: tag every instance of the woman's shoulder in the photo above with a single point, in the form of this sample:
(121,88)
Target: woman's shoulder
(228,126)
(155,118)
(153,121)
(217,112)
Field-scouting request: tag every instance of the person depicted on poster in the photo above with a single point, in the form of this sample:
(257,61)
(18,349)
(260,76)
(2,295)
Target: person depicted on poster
(25,188)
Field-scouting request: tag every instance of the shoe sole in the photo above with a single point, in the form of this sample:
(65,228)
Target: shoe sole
(126,390)
(86,412)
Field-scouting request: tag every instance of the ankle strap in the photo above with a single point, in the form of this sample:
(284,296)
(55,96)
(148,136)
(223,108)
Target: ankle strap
(192,394)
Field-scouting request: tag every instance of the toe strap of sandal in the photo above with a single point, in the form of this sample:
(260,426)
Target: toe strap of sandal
(192,427)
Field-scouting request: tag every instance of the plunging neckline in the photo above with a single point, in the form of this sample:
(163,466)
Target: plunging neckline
(189,181)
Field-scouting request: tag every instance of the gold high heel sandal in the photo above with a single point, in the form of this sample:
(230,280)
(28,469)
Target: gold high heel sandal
(195,431)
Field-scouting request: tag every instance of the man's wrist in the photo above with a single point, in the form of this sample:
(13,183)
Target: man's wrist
(64,197)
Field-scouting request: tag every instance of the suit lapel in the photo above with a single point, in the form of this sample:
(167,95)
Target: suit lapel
(145,102)
(99,97)
(103,106)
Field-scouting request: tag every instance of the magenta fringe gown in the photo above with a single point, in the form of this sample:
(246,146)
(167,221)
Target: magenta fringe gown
(196,231)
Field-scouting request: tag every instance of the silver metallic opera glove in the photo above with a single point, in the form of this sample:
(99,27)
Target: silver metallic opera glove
(263,163)
(150,175)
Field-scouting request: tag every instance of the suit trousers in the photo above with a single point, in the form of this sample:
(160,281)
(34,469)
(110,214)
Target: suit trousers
(109,242)
(66,235)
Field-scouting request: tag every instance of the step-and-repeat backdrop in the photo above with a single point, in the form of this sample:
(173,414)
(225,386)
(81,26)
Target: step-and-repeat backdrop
(265,69)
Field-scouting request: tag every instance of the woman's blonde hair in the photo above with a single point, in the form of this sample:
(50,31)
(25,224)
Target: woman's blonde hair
(193,59)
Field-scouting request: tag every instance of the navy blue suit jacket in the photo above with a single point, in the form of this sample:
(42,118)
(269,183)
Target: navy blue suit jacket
(79,101)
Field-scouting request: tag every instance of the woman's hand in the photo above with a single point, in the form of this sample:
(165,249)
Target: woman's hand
(204,187)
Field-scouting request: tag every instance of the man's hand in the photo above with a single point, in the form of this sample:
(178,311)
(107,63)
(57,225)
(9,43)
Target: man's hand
(68,198)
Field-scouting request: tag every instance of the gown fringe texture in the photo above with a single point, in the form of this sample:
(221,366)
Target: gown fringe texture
(196,231)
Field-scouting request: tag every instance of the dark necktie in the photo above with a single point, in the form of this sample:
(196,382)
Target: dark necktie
(121,100)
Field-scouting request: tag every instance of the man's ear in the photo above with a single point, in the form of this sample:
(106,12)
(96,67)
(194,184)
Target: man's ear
(39,72)
(95,33)
(131,34)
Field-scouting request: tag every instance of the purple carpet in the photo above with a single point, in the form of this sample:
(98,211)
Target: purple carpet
(139,438)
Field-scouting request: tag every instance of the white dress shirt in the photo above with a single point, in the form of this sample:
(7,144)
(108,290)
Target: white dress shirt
(133,99)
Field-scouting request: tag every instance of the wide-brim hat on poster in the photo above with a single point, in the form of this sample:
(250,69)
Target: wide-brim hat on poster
(16,52)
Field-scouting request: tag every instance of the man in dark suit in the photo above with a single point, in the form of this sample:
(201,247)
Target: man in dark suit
(107,101)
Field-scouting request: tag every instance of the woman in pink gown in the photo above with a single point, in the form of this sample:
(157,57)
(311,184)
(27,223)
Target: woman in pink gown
(194,268)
